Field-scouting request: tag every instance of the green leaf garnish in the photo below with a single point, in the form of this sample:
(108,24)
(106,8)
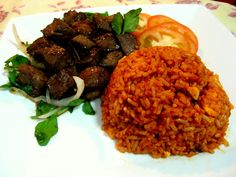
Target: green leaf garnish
(6,86)
(88,109)
(27,88)
(76,102)
(12,76)
(131,20)
(126,24)
(43,108)
(11,66)
(90,15)
(15,61)
(45,130)
(117,23)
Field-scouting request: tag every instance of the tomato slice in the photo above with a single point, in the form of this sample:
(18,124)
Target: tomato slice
(159,36)
(143,18)
(184,30)
(158,19)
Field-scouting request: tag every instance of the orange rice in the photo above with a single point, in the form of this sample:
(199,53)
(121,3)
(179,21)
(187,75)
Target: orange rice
(163,101)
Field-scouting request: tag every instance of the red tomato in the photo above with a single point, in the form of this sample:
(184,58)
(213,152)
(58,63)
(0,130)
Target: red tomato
(159,36)
(143,18)
(184,30)
(158,19)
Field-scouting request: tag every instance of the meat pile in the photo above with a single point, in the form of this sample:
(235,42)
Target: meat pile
(75,46)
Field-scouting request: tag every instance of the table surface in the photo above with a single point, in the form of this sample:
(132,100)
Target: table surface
(9,9)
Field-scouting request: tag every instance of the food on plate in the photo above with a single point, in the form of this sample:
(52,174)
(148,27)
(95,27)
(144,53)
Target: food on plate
(163,101)
(161,30)
(79,44)
(158,19)
(143,18)
(70,64)
(159,100)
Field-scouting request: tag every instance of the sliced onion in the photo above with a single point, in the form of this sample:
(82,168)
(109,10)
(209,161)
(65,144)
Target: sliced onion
(45,116)
(65,101)
(23,93)
(19,44)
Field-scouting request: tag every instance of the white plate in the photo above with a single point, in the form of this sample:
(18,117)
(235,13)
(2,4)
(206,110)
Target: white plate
(81,148)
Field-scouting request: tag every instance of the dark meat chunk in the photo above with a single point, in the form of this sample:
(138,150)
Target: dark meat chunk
(59,30)
(39,43)
(72,70)
(102,22)
(92,58)
(74,50)
(60,84)
(83,27)
(95,76)
(50,55)
(84,41)
(81,16)
(110,18)
(55,58)
(31,76)
(91,95)
(72,16)
(111,59)
(107,41)
(128,43)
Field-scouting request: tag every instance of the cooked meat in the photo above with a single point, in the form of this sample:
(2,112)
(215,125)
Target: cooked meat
(91,95)
(52,56)
(95,76)
(72,70)
(84,41)
(91,59)
(128,43)
(81,16)
(110,18)
(79,45)
(107,41)
(31,76)
(111,59)
(72,16)
(83,27)
(60,84)
(39,43)
(55,58)
(102,22)
(58,29)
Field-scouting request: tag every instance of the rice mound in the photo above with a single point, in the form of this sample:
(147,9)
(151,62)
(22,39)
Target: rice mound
(163,101)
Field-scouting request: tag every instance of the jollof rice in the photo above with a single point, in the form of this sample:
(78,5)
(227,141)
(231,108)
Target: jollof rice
(164,101)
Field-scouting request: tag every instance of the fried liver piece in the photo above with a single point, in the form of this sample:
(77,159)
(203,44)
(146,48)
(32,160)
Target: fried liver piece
(91,95)
(52,56)
(58,29)
(107,41)
(95,76)
(83,27)
(55,58)
(102,22)
(84,41)
(60,84)
(91,59)
(38,44)
(128,43)
(111,59)
(31,76)
(72,16)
